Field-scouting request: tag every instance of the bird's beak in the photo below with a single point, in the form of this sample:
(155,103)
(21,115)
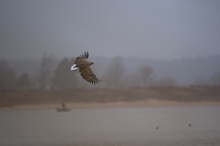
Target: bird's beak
(73,67)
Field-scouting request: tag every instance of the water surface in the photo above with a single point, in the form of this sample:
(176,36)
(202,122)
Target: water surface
(112,127)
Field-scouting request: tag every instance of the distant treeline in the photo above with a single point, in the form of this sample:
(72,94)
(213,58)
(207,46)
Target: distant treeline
(117,73)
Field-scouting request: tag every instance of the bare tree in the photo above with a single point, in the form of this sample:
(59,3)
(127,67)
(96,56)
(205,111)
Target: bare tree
(25,82)
(145,76)
(7,76)
(165,82)
(215,79)
(201,82)
(64,78)
(46,66)
(115,71)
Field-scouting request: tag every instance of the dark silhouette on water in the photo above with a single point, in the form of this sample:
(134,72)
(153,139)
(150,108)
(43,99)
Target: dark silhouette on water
(190,125)
(157,128)
(63,109)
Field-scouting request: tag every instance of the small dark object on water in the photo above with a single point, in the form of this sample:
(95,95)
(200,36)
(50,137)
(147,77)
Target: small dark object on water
(63,109)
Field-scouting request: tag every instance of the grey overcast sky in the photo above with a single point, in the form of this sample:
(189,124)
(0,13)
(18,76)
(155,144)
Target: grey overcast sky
(160,29)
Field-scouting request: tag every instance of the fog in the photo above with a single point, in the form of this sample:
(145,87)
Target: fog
(133,43)
(171,29)
(119,72)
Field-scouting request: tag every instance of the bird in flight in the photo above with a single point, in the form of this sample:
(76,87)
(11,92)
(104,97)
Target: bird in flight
(83,65)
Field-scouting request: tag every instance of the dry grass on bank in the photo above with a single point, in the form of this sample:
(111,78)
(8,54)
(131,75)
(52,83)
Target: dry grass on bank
(110,97)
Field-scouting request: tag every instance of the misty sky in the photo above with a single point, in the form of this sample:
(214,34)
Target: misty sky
(161,29)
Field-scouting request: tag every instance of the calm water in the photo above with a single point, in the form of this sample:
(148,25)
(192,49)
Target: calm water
(112,127)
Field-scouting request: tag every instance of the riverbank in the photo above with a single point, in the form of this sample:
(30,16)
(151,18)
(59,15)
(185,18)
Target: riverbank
(89,98)
(120,104)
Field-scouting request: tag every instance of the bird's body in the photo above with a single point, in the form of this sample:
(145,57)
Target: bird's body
(83,65)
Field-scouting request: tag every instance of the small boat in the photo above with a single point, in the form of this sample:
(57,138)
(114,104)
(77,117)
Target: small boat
(63,108)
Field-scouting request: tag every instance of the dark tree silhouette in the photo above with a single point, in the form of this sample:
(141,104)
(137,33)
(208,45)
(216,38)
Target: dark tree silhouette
(7,76)
(64,78)
(168,81)
(25,82)
(115,72)
(215,79)
(146,74)
(46,66)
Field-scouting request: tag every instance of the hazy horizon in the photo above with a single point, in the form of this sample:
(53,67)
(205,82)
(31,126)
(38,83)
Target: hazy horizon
(169,29)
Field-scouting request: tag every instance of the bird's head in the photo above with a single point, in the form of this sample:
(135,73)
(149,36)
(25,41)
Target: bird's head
(91,63)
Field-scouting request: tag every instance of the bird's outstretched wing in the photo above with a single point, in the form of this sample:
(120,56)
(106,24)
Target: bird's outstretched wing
(88,75)
(84,56)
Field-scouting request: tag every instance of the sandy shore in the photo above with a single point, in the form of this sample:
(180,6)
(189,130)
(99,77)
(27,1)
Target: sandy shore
(143,103)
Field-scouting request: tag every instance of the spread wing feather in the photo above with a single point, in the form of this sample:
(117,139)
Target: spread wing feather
(88,75)
(84,56)
(82,59)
